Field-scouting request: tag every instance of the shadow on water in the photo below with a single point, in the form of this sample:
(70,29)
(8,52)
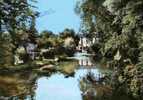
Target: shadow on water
(17,86)
(72,83)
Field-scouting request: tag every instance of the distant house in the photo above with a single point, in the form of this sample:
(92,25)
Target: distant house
(84,43)
(31,49)
(25,48)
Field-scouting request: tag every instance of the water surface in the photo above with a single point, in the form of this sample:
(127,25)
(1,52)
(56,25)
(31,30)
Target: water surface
(57,86)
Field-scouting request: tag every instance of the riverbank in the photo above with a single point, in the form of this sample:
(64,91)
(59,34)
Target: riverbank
(37,65)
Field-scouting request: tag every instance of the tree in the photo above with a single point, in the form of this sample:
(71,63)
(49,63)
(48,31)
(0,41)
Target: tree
(15,15)
(47,34)
(120,22)
(67,33)
(47,39)
(6,55)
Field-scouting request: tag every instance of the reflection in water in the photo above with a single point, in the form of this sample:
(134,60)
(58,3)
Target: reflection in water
(85,62)
(17,86)
(31,86)
(95,90)
(58,87)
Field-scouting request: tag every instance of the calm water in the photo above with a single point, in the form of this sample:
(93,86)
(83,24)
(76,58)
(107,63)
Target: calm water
(59,87)
(53,86)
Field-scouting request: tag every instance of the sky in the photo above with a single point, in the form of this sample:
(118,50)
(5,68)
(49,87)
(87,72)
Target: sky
(60,15)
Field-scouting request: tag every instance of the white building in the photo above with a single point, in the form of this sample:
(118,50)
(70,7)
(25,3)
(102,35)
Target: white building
(30,48)
(85,43)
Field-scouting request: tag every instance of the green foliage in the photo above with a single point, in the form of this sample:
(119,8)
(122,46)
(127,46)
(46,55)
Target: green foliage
(119,23)
(49,39)
(67,33)
(15,16)
(6,47)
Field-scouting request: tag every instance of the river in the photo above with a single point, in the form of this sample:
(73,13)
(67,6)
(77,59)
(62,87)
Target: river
(59,87)
(54,86)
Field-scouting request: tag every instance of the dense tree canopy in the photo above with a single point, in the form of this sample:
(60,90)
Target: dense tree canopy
(15,14)
(120,25)
(16,17)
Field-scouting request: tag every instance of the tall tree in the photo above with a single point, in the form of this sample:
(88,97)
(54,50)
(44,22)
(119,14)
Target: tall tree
(120,22)
(67,33)
(15,15)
